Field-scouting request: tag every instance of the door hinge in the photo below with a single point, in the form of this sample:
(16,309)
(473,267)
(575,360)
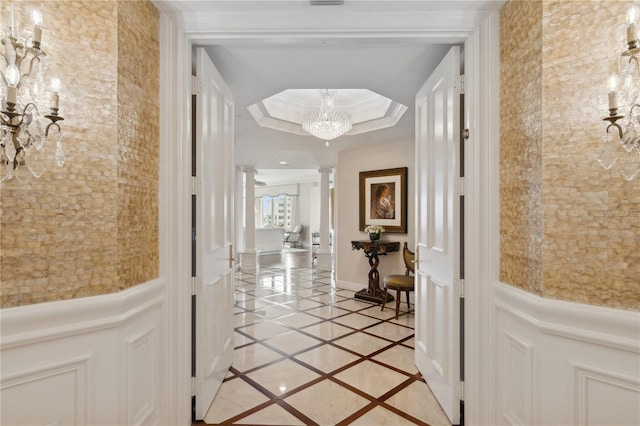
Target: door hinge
(465,134)
(196,283)
(461,288)
(196,85)
(460,391)
(194,385)
(195,185)
(460,186)
(459,84)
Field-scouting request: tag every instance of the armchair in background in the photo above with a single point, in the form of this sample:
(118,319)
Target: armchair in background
(293,238)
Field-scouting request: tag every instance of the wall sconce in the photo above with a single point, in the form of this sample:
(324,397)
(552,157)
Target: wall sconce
(24,138)
(625,154)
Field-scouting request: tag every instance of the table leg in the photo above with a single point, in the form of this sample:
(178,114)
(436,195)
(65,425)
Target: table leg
(373,293)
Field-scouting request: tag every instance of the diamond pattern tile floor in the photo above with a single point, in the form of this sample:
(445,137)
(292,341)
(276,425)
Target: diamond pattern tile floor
(308,353)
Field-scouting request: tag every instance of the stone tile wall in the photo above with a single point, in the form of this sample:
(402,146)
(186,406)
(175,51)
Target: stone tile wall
(521,145)
(589,217)
(72,232)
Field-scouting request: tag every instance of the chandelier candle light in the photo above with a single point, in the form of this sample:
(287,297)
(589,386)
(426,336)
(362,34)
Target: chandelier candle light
(22,97)
(327,123)
(625,154)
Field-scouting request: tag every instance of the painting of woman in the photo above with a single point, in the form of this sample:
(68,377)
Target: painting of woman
(382,207)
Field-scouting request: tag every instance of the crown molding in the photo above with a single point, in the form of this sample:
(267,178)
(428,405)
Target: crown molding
(447,26)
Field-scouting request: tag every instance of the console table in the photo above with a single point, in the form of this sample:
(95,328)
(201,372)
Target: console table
(373,249)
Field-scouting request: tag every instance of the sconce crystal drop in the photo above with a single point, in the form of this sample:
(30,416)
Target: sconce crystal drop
(29,140)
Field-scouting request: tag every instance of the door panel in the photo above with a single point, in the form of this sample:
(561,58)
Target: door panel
(214,233)
(437,352)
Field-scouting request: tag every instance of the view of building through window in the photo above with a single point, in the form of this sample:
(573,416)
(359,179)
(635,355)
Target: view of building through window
(275,211)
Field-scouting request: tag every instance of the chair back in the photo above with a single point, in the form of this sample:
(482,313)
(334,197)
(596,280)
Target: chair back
(409,259)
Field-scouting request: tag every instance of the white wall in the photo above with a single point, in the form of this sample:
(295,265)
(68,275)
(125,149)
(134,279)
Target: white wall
(352,267)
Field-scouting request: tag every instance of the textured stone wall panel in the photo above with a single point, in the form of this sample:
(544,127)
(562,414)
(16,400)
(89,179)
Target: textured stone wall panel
(591,216)
(138,142)
(521,145)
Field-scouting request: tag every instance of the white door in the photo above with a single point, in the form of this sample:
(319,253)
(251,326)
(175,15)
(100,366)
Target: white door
(214,189)
(437,334)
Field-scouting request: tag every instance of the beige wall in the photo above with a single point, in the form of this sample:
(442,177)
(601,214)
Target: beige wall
(91,227)
(570,230)
(351,265)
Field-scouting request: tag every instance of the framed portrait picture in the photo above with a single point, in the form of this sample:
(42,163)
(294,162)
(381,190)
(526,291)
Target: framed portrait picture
(383,199)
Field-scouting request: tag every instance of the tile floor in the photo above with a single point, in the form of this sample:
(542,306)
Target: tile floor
(309,353)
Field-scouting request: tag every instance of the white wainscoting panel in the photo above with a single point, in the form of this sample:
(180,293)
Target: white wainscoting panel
(563,363)
(60,387)
(140,373)
(516,372)
(87,361)
(594,384)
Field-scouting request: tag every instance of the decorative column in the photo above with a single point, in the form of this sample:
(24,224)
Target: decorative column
(324,252)
(249,257)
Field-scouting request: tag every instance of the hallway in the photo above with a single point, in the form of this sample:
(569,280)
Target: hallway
(308,353)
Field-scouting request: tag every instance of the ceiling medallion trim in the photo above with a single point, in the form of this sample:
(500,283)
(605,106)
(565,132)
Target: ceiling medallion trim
(370,111)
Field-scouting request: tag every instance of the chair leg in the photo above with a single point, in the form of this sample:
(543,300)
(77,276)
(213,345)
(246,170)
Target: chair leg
(384,298)
(408,305)
(398,294)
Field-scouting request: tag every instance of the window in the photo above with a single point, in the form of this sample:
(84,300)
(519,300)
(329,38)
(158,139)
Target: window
(275,211)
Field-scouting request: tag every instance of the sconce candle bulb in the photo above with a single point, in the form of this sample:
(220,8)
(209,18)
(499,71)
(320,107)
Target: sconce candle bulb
(612,85)
(36,18)
(632,17)
(55,98)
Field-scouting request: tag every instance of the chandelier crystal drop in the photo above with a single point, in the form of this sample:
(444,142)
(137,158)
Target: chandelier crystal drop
(621,141)
(28,142)
(327,123)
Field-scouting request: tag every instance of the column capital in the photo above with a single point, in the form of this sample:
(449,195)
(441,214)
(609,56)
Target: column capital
(249,169)
(324,170)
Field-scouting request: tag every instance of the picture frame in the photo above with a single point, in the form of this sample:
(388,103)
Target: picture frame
(383,199)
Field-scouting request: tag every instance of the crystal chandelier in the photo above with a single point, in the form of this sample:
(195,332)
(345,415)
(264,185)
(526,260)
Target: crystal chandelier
(26,138)
(327,123)
(622,141)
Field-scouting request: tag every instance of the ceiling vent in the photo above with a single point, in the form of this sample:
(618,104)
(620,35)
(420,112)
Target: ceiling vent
(326,2)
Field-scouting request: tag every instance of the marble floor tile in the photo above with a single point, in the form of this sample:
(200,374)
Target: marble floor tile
(390,331)
(327,330)
(239,340)
(282,377)
(263,330)
(234,397)
(297,320)
(418,401)
(246,318)
(356,321)
(354,304)
(399,357)
(327,358)
(371,378)
(362,343)
(251,356)
(272,415)
(381,416)
(292,342)
(303,304)
(327,311)
(337,402)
